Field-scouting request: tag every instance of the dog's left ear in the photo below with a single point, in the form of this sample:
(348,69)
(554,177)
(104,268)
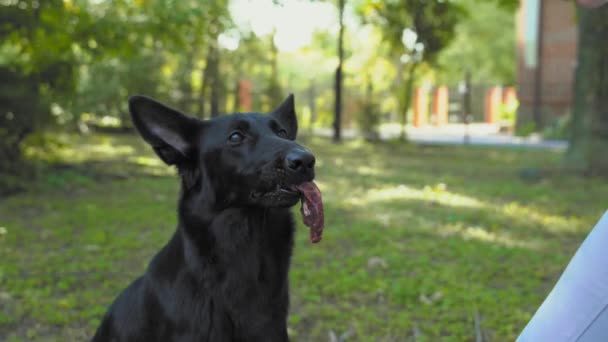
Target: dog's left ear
(285,114)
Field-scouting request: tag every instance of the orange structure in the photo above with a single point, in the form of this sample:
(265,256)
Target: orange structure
(245,100)
(509,96)
(420,107)
(493,103)
(440,105)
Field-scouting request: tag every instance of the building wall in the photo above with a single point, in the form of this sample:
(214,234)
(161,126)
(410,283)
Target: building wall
(558,36)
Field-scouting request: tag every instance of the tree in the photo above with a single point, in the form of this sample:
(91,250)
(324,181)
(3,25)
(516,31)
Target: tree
(418,30)
(250,61)
(589,136)
(368,116)
(88,56)
(217,18)
(476,48)
(338,83)
(38,62)
(273,91)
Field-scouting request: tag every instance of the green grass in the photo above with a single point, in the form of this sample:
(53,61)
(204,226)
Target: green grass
(419,240)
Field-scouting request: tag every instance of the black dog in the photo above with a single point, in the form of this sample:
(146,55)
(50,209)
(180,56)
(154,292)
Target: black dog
(223,275)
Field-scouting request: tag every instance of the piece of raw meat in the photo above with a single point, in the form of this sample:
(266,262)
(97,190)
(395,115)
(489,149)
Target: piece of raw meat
(312,209)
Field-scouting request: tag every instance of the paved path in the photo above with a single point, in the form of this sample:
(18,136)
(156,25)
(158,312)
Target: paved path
(454,134)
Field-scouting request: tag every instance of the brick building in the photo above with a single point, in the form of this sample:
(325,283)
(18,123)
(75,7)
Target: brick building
(546,55)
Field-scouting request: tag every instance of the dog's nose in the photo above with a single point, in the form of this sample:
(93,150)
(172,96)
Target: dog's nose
(299,160)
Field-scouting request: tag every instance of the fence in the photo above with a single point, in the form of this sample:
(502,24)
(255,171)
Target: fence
(436,105)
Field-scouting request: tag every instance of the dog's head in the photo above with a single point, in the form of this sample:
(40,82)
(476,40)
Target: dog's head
(237,160)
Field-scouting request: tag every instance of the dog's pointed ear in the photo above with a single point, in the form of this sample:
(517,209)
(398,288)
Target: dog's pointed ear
(285,114)
(170,132)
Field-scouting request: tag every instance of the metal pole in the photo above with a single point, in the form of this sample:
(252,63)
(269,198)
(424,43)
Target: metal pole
(466,106)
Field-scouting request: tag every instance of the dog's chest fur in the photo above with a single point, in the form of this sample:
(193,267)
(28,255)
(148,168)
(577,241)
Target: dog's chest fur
(222,282)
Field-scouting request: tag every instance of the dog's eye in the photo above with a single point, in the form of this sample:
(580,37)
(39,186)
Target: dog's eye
(282,133)
(236,138)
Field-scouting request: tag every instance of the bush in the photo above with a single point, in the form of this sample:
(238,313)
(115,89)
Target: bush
(22,112)
(526,129)
(559,129)
(508,112)
(368,117)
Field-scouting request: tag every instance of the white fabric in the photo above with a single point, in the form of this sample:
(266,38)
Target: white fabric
(577,308)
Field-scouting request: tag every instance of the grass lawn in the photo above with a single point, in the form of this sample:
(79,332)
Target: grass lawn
(419,240)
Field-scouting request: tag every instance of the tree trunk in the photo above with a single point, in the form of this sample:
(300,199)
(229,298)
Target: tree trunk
(185,83)
(396,88)
(589,135)
(215,81)
(338,82)
(407,99)
(210,78)
(274,93)
(312,101)
(204,84)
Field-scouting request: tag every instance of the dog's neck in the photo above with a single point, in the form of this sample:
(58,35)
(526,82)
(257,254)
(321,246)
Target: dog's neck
(206,221)
(209,226)
(208,229)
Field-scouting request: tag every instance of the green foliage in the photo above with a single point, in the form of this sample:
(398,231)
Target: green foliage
(430,27)
(559,129)
(510,5)
(72,63)
(476,49)
(273,92)
(525,129)
(105,85)
(411,242)
(36,65)
(507,112)
(60,59)
(17,111)
(432,21)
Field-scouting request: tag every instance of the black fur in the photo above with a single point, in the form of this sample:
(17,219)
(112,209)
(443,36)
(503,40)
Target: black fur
(223,274)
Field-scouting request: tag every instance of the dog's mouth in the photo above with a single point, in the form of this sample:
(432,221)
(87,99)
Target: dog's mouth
(280,191)
(287,196)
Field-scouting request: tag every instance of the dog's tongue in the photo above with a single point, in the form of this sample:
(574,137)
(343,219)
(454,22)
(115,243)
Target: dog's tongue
(312,209)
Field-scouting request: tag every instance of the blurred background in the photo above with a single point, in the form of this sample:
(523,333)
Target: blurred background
(461,148)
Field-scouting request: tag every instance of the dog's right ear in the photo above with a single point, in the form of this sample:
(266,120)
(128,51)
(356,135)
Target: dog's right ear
(285,113)
(170,132)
